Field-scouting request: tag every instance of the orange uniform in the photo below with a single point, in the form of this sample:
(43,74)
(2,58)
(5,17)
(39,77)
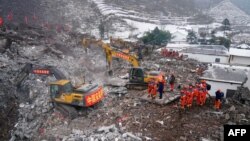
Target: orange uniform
(152,89)
(190,96)
(199,97)
(183,101)
(203,97)
(219,96)
(217,104)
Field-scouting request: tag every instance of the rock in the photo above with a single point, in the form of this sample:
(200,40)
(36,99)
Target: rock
(231,123)
(183,138)
(77,132)
(119,90)
(227,116)
(30,116)
(240,117)
(21,105)
(106,129)
(148,138)
(205,139)
(134,138)
(232,108)
(161,122)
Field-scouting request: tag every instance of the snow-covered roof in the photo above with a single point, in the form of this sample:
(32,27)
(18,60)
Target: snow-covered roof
(239,52)
(208,50)
(243,46)
(219,34)
(226,73)
(179,36)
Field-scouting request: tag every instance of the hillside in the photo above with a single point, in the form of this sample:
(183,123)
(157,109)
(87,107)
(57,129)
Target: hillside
(226,9)
(243,5)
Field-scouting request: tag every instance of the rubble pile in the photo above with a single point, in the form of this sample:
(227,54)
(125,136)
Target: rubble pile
(33,110)
(8,97)
(101,134)
(32,99)
(243,95)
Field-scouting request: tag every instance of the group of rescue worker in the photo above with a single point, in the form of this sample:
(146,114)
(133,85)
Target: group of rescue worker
(199,93)
(192,93)
(173,54)
(189,94)
(155,86)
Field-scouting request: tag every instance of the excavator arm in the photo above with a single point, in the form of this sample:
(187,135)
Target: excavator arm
(110,53)
(39,70)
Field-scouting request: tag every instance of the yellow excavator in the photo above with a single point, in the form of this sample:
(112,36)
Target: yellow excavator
(63,94)
(138,77)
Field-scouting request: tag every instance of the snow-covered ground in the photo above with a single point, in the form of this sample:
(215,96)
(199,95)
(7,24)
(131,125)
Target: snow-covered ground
(142,23)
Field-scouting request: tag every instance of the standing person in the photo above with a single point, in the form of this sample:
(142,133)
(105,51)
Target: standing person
(218,98)
(204,96)
(183,99)
(171,82)
(190,96)
(161,87)
(152,89)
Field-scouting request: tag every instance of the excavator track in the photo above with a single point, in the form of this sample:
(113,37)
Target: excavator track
(66,110)
(136,86)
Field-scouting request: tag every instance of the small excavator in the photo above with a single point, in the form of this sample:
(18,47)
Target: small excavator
(138,77)
(63,94)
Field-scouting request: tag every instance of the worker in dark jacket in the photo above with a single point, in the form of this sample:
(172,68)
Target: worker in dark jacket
(161,84)
(218,98)
(171,82)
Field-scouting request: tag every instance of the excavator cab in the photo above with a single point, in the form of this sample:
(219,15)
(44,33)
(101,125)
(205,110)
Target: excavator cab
(59,87)
(136,75)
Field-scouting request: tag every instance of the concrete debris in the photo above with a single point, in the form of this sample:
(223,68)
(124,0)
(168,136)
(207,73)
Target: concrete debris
(118,90)
(161,122)
(183,138)
(126,76)
(116,82)
(205,139)
(232,108)
(130,136)
(106,129)
(101,134)
(227,116)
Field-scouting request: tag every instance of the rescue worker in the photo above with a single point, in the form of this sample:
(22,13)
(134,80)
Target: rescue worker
(171,82)
(189,94)
(161,87)
(183,99)
(152,89)
(203,95)
(218,98)
(204,84)
(200,96)
(196,93)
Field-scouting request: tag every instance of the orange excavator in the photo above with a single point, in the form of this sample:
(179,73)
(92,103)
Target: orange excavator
(63,94)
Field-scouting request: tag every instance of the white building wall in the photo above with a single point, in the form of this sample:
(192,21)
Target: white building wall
(207,58)
(240,60)
(221,85)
